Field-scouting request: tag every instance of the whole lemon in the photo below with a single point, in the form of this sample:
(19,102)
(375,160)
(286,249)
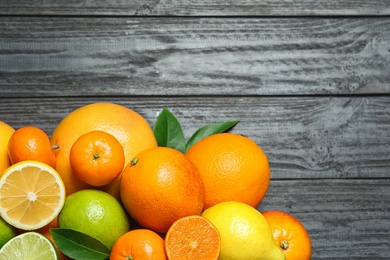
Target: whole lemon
(245,233)
(95,213)
(5,134)
(6,232)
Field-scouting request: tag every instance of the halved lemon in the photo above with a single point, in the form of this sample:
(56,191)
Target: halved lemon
(32,194)
(29,245)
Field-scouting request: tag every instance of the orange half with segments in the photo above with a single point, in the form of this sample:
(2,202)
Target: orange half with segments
(32,194)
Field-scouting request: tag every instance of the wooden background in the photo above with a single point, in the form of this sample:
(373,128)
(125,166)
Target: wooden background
(308,80)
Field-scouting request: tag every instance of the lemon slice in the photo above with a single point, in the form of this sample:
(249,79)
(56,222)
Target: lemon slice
(32,194)
(29,245)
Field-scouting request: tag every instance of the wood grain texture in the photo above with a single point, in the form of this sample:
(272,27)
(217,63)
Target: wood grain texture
(303,137)
(233,56)
(346,219)
(196,8)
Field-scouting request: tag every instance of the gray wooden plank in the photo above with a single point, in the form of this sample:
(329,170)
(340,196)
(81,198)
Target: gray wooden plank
(303,137)
(196,8)
(232,56)
(346,219)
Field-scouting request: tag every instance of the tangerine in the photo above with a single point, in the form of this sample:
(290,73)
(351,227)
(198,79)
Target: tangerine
(97,158)
(160,186)
(31,143)
(192,237)
(289,234)
(136,244)
(129,128)
(233,168)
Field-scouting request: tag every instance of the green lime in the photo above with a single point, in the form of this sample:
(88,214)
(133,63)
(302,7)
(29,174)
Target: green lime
(6,232)
(30,245)
(95,213)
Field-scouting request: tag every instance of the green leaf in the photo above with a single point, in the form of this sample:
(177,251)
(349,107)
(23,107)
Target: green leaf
(168,131)
(79,246)
(208,130)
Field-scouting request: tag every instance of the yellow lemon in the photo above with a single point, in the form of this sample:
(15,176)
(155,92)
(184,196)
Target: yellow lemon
(245,233)
(5,134)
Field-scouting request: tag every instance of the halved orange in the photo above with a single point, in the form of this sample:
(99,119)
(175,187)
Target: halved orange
(32,194)
(192,237)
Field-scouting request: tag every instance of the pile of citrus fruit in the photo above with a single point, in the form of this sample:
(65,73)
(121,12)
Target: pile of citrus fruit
(106,185)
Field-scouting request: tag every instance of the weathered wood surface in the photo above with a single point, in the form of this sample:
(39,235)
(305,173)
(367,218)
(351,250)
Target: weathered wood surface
(309,81)
(197,8)
(172,56)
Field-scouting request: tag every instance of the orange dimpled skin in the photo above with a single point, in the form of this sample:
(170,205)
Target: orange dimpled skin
(159,186)
(31,143)
(233,167)
(97,158)
(139,244)
(289,234)
(192,238)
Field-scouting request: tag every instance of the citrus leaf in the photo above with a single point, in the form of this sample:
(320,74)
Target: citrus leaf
(208,130)
(168,131)
(79,246)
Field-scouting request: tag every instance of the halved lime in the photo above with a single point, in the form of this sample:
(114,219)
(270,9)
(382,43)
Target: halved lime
(29,246)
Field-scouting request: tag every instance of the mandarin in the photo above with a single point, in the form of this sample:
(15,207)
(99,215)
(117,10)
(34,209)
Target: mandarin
(129,128)
(31,143)
(97,158)
(5,134)
(233,168)
(159,186)
(289,234)
(136,244)
(192,237)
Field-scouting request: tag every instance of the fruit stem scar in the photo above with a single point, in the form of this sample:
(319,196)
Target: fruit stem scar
(284,244)
(55,147)
(96,156)
(134,161)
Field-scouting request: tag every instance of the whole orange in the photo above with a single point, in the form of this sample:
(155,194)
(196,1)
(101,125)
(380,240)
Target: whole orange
(130,128)
(139,244)
(5,134)
(160,186)
(233,168)
(31,143)
(97,158)
(289,234)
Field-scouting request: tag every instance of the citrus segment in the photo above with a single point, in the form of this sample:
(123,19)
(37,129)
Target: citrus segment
(30,245)
(233,167)
(192,237)
(97,158)
(139,244)
(32,194)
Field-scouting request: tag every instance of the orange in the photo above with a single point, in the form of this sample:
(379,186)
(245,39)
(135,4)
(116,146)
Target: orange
(289,234)
(32,194)
(97,158)
(5,134)
(233,168)
(129,128)
(192,237)
(160,186)
(139,244)
(31,143)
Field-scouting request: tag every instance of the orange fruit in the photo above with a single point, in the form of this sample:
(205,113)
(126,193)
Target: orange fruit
(192,237)
(233,168)
(141,244)
(160,186)
(129,128)
(5,134)
(97,158)
(289,234)
(31,143)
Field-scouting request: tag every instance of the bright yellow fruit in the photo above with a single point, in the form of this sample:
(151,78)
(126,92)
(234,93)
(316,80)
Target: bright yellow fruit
(32,194)
(5,134)
(245,233)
